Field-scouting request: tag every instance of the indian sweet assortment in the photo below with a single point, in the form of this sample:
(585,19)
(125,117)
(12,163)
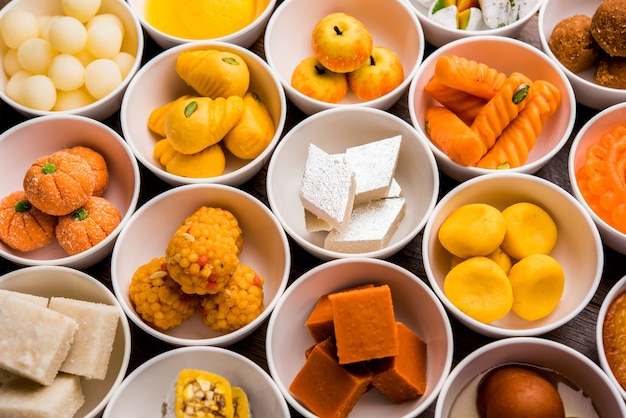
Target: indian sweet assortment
(62,199)
(63,61)
(58,343)
(224,115)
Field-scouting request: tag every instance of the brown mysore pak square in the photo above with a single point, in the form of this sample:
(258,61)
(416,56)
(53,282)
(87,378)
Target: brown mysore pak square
(364,324)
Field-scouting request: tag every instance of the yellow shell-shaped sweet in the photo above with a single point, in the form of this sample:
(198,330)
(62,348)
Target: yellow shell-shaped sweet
(156,119)
(194,124)
(254,131)
(209,162)
(212,73)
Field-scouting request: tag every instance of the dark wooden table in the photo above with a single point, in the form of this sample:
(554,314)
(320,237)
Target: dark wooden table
(579,333)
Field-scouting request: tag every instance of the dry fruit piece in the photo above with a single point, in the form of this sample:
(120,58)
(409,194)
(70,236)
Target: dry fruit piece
(212,73)
(98,165)
(203,394)
(23,227)
(157,298)
(194,124)
(210,162)
(254,131)
(59,183)
(87,226)
(156,119)
(237,305)
(203,254)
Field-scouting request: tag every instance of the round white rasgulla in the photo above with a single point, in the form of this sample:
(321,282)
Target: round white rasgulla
(35,55)
(67,35)
(14,84)
(125,61)
(104,39)
(68,100)
(10,64)
(38,92)
(66,72)
(16,26)
(108,18)
(83,10)
(102,76)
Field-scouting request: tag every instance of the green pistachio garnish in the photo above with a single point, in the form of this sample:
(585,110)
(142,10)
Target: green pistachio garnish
(190,108)
(48,168)
(23,206)
(230,60)
(520,93)
(80,214)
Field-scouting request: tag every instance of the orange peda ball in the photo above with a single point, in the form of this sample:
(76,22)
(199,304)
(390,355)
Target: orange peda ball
(59,183)
(23,227)
(98,165)
(87,226)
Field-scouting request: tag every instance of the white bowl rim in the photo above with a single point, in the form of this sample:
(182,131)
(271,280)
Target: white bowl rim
(532,166)
(115,302)
(570,74)
(366,260)
(491,31)
(177,351)
(225,38)
(572,172)
(226,178)
(526,340)
(71,259)
(491,329)
(221,339)
(335,254)
(618,288)
(365,103)
(88,109)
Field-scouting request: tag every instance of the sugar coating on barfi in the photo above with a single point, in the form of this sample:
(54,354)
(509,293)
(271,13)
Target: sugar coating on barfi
(21,397)
(35,340)
(364,324)
(327,388)
(39,300)
(402,377)
(91,350)
(371,227)
(374,165)
(327,188)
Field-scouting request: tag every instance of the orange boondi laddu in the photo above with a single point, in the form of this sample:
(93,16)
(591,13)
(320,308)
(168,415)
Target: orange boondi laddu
(23,227)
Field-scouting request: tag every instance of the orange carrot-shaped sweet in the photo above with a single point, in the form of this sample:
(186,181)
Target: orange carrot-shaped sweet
(453,136)
(513,145)
(465,105)
(469,76)
(500,110)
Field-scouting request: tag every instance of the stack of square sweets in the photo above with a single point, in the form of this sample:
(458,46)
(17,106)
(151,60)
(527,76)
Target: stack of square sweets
(358,346)
(47,346)
(354,196)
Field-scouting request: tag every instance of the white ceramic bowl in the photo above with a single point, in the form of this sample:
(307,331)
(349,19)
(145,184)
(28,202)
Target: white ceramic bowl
(578,249)
(244,37)
(617,289)
(60,281)
(414,304)
(144,389)
(265,249)
(520,57)
(333,131)
(588,93)
(438,35)
(589,134)
(24,143)
(392,24)
(133,43)
(538,352)
(142,97)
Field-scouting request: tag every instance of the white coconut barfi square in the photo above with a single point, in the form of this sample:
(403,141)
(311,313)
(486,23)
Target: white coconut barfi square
(21,397)
(39,300)
(327,188)
(374,166)
(371,227)
(35,340)
(91,350)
